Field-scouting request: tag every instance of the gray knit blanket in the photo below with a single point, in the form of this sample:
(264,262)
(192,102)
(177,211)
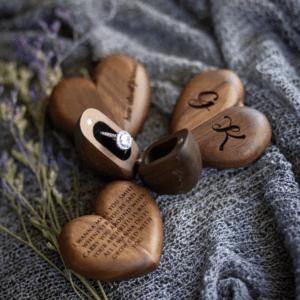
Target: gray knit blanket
(236,234)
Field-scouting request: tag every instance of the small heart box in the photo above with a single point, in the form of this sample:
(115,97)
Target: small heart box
(100,152)
(174,159)
(123,240)
(172,165)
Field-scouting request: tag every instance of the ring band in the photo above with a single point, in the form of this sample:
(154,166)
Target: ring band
(123,139)
(112,135)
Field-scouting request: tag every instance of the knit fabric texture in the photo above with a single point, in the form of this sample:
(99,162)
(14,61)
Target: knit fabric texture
(236,234)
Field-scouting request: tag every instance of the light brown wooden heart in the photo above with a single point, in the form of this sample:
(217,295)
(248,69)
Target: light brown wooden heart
(125,86)
(121,91)
(204,96)
(122,242)
(233,138)
(101,153)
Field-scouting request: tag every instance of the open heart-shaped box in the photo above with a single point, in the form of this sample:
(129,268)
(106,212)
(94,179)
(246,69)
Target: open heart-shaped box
(233,138)
(209,125)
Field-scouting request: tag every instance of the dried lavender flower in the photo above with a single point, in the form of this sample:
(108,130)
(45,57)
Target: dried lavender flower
(28,97)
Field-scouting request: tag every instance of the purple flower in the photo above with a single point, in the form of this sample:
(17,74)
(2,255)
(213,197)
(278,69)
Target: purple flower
(48,155)
(14,95)
(6,187)
(38,43)
(44,26)
(55,26)
(61,160)
(65,15)
(24,49)
(3,160)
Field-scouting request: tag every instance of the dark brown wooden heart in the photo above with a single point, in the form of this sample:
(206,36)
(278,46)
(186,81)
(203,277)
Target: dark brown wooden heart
(172,165)
(123,242)
(121,91)
(233,138)
(204,96)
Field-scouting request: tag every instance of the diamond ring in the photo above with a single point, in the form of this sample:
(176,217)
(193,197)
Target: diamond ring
(123,139)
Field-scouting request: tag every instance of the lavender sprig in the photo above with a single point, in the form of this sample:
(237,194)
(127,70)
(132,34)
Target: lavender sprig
(29,98)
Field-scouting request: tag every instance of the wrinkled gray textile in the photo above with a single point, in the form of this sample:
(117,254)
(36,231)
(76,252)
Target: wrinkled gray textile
(236,235)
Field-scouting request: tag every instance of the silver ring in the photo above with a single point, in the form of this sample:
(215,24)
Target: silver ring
(123,139)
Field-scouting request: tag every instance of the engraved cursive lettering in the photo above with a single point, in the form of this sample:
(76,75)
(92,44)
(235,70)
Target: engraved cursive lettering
(131,87)
(233,128)
(201,103)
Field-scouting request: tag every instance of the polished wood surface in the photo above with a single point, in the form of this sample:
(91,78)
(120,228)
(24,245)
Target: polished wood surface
(124,240)
(125,86)
(121,90)
(172,165)
(204,96)
(233,138)
(96,155)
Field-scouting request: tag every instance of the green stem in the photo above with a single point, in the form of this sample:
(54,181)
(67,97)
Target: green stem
(41,255)
(110,285)
(89,287)
(13,235)
(70,206)
(102,290)
(72,283)
(25,231)
(35,213)
(57,226)
(60,203)
(23,199)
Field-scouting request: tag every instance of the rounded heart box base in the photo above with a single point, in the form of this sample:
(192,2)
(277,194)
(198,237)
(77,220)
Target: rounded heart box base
(124,240)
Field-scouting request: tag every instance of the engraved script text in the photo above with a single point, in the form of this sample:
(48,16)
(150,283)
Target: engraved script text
(232,128)
(201,103)
(131,87)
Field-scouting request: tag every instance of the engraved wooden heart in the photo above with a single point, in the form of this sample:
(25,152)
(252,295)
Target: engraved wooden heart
(121,91)
(233,138)
(125,86)
(204,96)
(123,241)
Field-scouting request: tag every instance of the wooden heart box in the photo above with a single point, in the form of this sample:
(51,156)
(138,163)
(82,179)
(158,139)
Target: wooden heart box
(209,125)
(233,138)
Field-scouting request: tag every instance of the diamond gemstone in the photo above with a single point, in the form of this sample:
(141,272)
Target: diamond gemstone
(124,140)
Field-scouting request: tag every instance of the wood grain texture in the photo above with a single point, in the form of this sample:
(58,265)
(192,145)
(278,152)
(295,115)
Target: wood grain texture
(172,165)
(233,138)
(89,246)
(123,241)
(133,210)
(121,90)
(98,157)
(125,86)
(204,96)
